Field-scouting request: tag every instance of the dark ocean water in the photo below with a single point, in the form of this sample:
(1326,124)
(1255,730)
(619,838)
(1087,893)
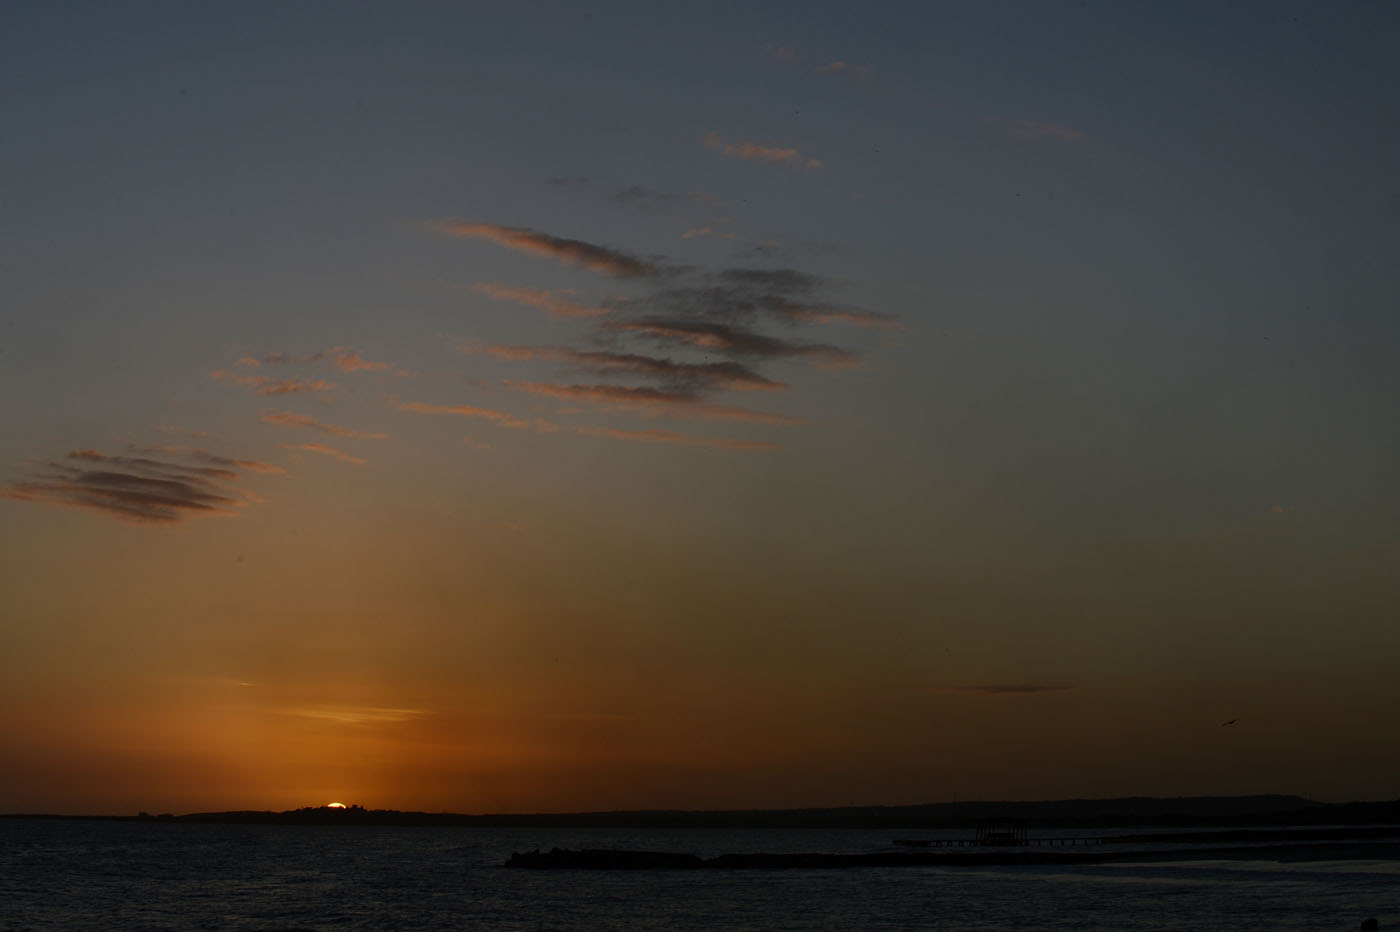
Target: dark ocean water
(73,876)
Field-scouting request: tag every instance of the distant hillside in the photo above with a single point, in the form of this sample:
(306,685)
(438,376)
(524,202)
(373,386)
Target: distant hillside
(1085,813)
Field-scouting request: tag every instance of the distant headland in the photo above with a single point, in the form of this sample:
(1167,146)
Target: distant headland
(1213,811)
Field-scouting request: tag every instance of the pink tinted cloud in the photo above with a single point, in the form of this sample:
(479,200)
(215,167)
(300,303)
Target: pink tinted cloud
(348,360)
(600,259)
(822,314)
(751,150)
(266,385)
(326,451)
(676,404)
(536,297)
(288,419)
(500,417)
(839,67)
(206,457)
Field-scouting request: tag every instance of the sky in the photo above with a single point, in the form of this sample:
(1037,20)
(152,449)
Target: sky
(505,407)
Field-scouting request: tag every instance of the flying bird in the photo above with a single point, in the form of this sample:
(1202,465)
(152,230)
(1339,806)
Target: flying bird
(1230,722)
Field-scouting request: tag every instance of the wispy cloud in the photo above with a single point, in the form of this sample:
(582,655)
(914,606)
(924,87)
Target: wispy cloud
(739,341)
(280,359)
(672,403)
(748,295)
(820,66)
(612,262)
(690,375)
(266,385)
(500,417)
(536,297)
(677,438)
(204,456)
(348,360)
(752,150)
(288,419)
(357,714)
(156,466)
(344,358)
(135,489)
(830,314)
(326,451)
(783,53)
(693,311)
(1002,689)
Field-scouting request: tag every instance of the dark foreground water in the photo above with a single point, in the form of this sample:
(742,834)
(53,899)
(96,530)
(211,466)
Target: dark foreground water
(73,876)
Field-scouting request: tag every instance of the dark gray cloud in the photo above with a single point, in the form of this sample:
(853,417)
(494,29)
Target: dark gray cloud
(137,489)
(733,340)
(154,466)
(694,376)
(682,376)
(647,399)
(694,312)
(751,294)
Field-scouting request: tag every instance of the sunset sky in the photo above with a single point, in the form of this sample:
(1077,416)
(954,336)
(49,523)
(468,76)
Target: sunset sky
(545,406)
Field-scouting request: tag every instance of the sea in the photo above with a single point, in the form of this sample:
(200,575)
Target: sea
(103,875)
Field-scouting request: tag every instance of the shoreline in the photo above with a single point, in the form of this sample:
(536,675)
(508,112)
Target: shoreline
(608,859)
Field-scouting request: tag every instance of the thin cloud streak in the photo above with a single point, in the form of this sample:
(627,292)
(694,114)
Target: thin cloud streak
(351,361)
(736,340)
(536,297)
(288,419)
(357,715)
(678,404)
(266,385)
(326,451)
(826,314)
(839,67)
(610,262)
(752,150)
(500,417)
(143,463)
(345,358)
(207,457)
(696,376)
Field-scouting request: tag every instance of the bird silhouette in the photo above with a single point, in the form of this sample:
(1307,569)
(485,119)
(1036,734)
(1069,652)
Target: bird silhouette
(1230,722)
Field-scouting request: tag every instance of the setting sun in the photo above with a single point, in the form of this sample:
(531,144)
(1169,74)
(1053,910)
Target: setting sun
(335,805)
